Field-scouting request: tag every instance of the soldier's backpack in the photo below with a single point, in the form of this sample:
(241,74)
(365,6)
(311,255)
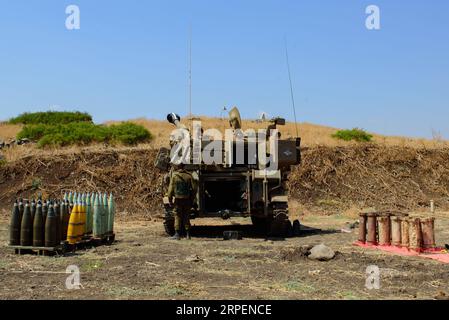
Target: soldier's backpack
(182,187)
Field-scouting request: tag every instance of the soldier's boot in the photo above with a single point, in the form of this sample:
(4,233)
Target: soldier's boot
(176,236)
(188,235)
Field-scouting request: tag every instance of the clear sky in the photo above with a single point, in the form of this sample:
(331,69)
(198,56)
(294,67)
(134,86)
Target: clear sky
(130,59)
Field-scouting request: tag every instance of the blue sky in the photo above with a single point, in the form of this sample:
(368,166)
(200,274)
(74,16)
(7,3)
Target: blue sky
(130,59)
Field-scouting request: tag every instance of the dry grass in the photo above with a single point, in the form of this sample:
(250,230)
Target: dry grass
(9,131)
(311,134)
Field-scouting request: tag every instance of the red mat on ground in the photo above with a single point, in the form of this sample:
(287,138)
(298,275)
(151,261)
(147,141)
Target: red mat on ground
(438,254)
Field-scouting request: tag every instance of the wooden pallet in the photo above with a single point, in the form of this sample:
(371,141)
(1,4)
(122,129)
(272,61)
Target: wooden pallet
(107,239)
(40,251)
(90,241)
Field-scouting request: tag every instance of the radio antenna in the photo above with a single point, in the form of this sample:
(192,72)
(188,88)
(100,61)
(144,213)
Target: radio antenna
(190,76)
(291,87)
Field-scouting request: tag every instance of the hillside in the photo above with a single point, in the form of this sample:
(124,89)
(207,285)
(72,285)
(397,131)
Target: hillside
(330,180)
(335,176)
(311,134)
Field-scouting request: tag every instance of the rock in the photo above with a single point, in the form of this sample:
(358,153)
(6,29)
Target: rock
(321,252)
(350,226)
(23,141)
(441,296)
(194,258)
(314,272)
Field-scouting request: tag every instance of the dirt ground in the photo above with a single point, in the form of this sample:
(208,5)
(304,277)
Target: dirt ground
(145,264)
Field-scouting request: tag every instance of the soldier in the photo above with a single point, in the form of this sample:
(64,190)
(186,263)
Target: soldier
(181,188)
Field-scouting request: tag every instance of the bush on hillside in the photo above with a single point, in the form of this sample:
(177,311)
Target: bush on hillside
(51,117)
(83,133)
(355,134)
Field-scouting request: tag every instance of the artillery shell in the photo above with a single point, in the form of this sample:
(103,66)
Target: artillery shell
(105,214)
(38,227)
(14,226)
(44,211)
(97,227)
(50,228)
(21,208)
(56,209)
(111,215)
(33,209)
(26,229)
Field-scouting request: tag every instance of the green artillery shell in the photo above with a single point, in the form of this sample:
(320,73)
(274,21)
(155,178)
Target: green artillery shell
(97,228)
(26,230)
(38,227)
(105,213)
(111,207)
(89,214)
(91,222)
(14,226)
(50,228)
(58,222)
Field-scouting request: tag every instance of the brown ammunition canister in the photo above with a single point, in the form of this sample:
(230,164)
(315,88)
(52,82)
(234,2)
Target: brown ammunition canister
(384,229)
(38,227)
(371,237)
(405,241)
(396,231)
(428,233)
(50,228)
(415,236)
(362,227)
(14,226)
(26,229)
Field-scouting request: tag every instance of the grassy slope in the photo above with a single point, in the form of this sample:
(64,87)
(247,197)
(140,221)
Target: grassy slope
(312,135)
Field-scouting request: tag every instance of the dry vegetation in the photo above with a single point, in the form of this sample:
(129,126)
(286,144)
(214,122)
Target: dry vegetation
(330,179)
(312,135)
(391,172)
(9,131)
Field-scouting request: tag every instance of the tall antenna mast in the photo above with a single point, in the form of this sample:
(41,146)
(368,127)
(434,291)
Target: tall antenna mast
(291,87)
(190,74)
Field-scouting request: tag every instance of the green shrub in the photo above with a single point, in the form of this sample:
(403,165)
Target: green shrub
(129,133)
(84,133)
(51,117)
(353,134)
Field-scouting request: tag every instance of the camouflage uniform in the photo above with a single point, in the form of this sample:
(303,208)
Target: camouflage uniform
(181,188)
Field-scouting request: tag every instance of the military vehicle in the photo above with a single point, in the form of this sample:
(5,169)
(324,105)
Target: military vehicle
(234,188)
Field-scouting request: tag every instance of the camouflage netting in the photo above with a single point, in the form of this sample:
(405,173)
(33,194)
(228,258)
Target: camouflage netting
(330,179)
